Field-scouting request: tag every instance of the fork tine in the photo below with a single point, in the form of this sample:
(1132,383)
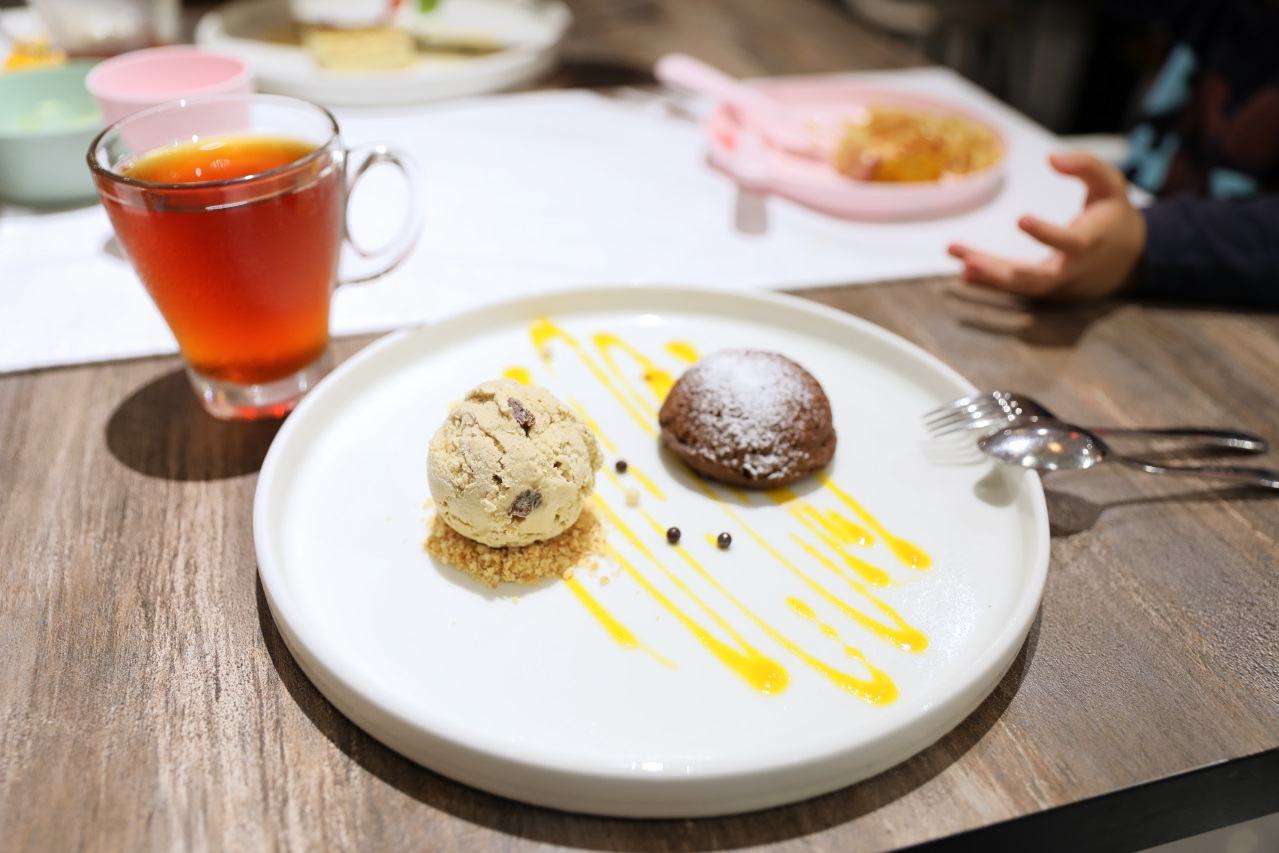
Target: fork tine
(981,408)
(962,426)
(955,404)
(987,410)
(971,410)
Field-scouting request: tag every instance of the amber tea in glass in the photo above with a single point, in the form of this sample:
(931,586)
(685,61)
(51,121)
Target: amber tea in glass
(232,211)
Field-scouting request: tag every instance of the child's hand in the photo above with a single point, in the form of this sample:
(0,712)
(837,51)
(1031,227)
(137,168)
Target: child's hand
(1096,255)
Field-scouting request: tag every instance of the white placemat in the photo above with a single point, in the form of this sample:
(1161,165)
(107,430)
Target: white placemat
(533,193)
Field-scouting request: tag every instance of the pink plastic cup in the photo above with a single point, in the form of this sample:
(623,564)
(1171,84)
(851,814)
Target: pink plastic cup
(134,81)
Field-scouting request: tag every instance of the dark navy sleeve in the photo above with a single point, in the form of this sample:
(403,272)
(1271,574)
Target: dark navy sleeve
(1209,250)
(1172,12)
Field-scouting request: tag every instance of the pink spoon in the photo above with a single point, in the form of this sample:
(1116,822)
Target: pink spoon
(810,134)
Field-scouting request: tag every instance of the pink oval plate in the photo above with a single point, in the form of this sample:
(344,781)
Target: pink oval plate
(813,182)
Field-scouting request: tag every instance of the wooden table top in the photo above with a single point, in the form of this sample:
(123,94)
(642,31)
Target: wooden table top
(147,700)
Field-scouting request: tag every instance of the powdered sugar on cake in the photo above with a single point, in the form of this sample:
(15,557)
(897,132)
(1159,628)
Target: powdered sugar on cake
(757,415)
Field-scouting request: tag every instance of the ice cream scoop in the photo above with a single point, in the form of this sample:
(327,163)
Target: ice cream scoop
(511,465)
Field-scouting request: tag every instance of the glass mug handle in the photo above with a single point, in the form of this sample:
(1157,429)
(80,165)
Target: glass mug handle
(387,257)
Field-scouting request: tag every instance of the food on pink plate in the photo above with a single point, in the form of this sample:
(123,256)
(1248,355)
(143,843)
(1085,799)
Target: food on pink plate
(901,146)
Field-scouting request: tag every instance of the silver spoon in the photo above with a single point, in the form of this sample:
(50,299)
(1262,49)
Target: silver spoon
(1055,446)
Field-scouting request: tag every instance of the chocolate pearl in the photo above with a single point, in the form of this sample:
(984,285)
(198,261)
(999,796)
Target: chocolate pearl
(672,535)
(724,540)
(620,467)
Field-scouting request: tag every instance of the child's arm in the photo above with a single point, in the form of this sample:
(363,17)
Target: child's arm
(1188,249)
(1095,256)
(1209,250)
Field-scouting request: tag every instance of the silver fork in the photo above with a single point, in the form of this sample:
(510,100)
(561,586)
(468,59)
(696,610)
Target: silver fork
(993,409)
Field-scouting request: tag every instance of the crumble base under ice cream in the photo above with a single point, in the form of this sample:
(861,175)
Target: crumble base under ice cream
(579,546)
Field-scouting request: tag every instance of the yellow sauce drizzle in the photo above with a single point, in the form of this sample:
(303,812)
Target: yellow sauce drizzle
(847,531)
(807,612)
(760,672)
(644,481)
(658,380)
(647,483)
(903,635)
(834,530)
(519,374)
(873,575)
(683,351)
(543,330)
(755,669)
(595,428)
(639,475)
(697,478)
(619,632)
(709,492)
(834,523)
(909,554)
(878,690)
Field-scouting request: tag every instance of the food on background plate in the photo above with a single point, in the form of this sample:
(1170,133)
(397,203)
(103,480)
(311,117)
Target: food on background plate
(28,55)
(352,34)
(902,146)
(361,48)
(372,35)
(511,465)
(749,418)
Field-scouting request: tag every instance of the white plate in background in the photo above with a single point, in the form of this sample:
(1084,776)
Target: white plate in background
(530,29)
(520,691)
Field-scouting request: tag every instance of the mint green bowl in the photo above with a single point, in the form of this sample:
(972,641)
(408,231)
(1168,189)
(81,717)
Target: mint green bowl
(47,121)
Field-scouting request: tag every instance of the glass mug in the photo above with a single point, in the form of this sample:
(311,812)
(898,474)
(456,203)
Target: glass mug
(232,210)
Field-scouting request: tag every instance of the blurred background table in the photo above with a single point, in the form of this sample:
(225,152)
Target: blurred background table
(147,700)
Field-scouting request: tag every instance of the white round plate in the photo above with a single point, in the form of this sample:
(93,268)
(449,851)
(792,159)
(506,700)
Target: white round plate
(530,29)
(521,691)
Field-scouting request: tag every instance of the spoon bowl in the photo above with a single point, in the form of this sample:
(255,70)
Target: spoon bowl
(1047,445)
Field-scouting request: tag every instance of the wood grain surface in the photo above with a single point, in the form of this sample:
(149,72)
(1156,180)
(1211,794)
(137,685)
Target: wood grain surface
(147,700)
